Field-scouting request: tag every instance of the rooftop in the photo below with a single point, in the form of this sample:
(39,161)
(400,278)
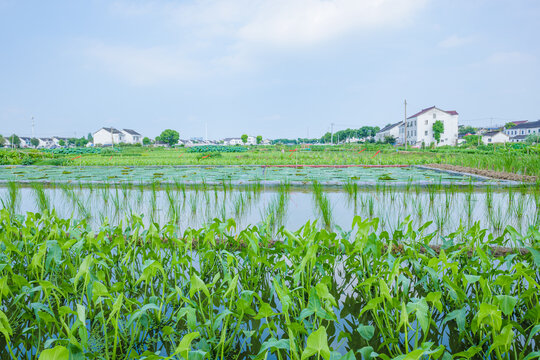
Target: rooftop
(451,112)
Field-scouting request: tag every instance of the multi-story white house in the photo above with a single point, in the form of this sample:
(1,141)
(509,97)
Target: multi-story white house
(132,137)
(389,130)
(232,141)
(419,127)
(520,132)
(25,142)
(495,137)
(251,140)
(108,136)
(45,143)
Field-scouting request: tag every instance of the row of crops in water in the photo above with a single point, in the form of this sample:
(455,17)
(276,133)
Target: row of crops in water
(446,208)
(221,292)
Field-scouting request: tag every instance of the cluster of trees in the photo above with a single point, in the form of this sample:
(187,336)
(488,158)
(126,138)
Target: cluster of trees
(168,136)
(343,135)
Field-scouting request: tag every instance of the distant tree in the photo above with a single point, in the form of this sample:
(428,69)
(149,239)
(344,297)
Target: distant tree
(509,125)
(157,139)
(81,142)
(72,141)
(389,139)
(438,129)
(533,139)
(259,139)
(89,137)
(472,140)
(244,138)
(146,141)
(62,142)
(466,130)
(15,140)
(2,141)
(169,137)
(34,142)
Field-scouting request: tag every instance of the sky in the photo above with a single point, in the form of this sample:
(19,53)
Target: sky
(276,68)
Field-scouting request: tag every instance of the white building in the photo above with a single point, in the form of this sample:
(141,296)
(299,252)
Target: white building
(233,141)
(132,137)
(420,127)
(495,137)
(25,142)
(108,136)
(389,130)
(45,143)
(520,132)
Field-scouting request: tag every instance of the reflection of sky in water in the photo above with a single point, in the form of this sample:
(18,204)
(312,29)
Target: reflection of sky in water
(209,174)
(190,208)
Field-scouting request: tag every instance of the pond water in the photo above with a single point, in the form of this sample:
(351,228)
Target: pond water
(447,208)
(233,174)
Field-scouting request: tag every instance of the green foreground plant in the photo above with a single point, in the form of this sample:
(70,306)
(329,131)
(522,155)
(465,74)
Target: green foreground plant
(131,291)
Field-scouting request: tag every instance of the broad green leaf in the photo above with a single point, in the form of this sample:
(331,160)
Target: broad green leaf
(265,311)
(469,353)
(421,309)
(81,314)
(317,343)
(507,304)
(471,279)
(366,331)
(504,339)
(489,314)
(5,329)
(197,285)
(56,353)
(272,344)
(185,345)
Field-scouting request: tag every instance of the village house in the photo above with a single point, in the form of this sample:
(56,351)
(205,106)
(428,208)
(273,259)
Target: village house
(520,132)
(419,127)
(132,137)
(108,136)
(495,137)
(389,130)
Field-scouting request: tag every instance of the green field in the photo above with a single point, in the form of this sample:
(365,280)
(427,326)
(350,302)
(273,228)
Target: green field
(511,158)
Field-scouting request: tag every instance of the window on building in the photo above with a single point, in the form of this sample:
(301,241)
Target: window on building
(426,122)
(434,115)
(425,133)
(489,140)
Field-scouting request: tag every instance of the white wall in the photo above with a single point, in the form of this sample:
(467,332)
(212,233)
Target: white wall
(498,138)
(103,137)
(420,128)
(391,132)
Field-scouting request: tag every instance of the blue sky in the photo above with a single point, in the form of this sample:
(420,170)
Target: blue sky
(278,68)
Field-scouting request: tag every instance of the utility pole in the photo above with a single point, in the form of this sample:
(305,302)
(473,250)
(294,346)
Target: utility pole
(206,131)
(33,135)
(112,138)
(332,133)
(405,104)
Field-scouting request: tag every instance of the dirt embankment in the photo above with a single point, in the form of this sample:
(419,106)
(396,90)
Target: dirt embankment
(488,173)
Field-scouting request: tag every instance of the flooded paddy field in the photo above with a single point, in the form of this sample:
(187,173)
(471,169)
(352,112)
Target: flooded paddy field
(234,174)
(446,208)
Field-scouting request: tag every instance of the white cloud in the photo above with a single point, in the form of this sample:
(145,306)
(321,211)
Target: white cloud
(143,66)
(278,22)
(455,41)
(216,36)
(510,58)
